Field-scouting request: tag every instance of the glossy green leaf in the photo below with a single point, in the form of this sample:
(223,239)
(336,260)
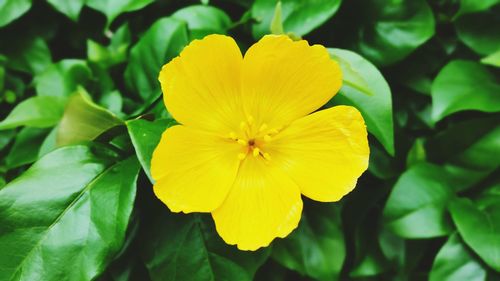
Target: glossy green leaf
(416,207)
(455,262)
(69,8)
(26,147)
(203,20)
(145,136)
(192,251)
(61,79)
(479,228)
(12,9)
(390,34)
(316,248)
(480,31)
(493,59)
(299,16)
(40,112)
(472,6)
(163,41)
(113,8)
(83,120)
(30,55)
(464,85)
(113,54)
(367,90)
(65,218)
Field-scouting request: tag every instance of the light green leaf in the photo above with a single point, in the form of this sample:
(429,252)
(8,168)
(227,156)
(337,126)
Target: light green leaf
(163,41)
(299,16)
(26,147)
(203,20)
(479,31)
(30,55)
(65,218)
(113,8)
(191,250)
(69,8)
(113,54)
(464,85)
(12,9)
(40,112)
(277,22)
(83,120)
(393,29)
(455,262)
(366,89)
(492,59)
(472,6)
(316,249)
(479,228)
(61,79)
(145,136)
(416,207)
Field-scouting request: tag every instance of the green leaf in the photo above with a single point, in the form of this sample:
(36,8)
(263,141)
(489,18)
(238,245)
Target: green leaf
(12,9)
(61,79)
(83,120)
(416,207)
(316,248)
(472,6)
(299,16)
(203,20)
(455,262)
(163,41)
(183,247)
(69,8)
(479,228)
(113,54)
(145,137)
(276,21)
(26,147)
(393,29)
(366,89)
(479,31)
(492,59)
(464,85)
(113,8)
(30,55)
(65,218)
(40,112)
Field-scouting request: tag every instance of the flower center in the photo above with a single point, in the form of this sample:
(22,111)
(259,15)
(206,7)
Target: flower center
(253,137)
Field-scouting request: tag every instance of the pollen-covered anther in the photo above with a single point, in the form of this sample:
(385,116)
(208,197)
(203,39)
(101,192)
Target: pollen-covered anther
(242,142)
(256,151)
(266,156)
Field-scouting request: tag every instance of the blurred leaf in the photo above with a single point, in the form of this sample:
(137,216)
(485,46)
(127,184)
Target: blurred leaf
(299,16)
(454,262)
(416,207)
(316,248)
(276,26)
(493,59)
(113,8)
(6,137)
(40,112)
(416,153)
(83,120)
(480,31)
(30,55)
(65,218)
(366,89)
(12,9)
(464,85)
(181,247)
(471,6)
(393,29)
(479,228)
(203,20)
(113,54)
(69,8)
(61,79)
(25,148)
(163,41)
(145,137)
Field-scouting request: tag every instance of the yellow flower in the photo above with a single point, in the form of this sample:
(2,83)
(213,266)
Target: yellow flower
(248,146)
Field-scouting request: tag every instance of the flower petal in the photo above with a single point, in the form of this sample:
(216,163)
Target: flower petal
(201,87)
(263,204)
(283,80)
(193,170)
(324,153)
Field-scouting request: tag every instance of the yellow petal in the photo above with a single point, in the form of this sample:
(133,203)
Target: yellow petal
(283,80)
(263,204)
(193,170)
(324,153)
(201,87)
